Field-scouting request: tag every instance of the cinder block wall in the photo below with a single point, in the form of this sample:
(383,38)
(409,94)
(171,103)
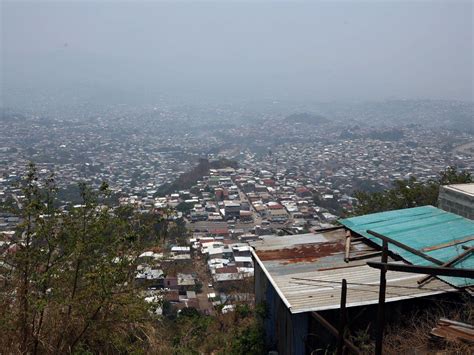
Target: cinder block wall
(456,202)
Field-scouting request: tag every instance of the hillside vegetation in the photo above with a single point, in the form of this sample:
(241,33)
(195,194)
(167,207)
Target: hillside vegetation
(67,284)
(190,178)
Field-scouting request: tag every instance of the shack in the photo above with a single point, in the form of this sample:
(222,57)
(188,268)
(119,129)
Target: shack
(299,277)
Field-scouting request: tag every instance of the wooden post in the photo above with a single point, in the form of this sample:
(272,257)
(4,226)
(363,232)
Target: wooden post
(347,246)
(352,348)
(431,270)
(381,307)
(342,319)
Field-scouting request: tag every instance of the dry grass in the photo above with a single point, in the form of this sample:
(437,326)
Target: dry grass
(412,334)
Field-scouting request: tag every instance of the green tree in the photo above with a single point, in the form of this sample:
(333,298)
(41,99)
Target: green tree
(67,278)
(184,207)
(408,193)
(452,176)
(178,233)
(67,283)
(250,340)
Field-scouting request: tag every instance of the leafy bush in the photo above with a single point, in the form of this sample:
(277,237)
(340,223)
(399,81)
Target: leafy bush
(408,193)
(249,340)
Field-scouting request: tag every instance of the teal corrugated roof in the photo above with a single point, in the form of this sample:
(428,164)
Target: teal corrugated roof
(420,228)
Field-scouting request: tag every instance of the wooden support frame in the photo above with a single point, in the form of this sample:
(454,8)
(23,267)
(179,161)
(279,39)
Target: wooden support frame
(451,262)
(415,269)
(365,256)
(384,266)
(406,247)
(449,244)
(352,348)
(381,305)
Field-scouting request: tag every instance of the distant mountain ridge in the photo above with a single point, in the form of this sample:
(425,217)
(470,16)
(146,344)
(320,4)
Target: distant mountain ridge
(456,115)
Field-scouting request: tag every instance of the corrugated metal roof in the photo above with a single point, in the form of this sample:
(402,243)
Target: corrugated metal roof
(306,271)
(421,228)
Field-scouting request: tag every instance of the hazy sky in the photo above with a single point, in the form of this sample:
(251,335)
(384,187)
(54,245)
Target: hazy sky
(244,50)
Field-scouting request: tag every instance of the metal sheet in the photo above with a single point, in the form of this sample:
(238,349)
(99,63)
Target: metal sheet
(311,281)
(421,228)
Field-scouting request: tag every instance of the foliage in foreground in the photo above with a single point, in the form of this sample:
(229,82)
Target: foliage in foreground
(67,284)
(238,332)
(67,278)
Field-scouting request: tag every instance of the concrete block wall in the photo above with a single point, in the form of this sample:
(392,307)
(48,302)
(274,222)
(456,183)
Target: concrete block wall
(458,200)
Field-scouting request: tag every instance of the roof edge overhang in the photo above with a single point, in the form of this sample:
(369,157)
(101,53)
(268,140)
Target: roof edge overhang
(269,277)
(368,303)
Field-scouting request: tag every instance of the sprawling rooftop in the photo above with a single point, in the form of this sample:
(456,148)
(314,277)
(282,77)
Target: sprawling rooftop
(306,271)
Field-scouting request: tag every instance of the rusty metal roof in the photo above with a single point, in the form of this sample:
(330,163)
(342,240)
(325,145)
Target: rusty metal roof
(306,271)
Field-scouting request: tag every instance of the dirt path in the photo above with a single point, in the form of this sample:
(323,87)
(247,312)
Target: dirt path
(204,304)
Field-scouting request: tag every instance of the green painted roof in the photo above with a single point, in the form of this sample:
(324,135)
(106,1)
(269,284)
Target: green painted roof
(421,228)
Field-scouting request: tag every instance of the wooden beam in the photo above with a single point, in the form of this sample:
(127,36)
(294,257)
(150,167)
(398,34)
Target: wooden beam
(406,247)
(364,256)
(452,322)
(425,279)
(381,305)
(450,244)
(334,332)
(348,246)
(329,229)
(432,270)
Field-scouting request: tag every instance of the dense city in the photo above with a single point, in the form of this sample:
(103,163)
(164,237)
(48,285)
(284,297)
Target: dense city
(278,173)
(236,177)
